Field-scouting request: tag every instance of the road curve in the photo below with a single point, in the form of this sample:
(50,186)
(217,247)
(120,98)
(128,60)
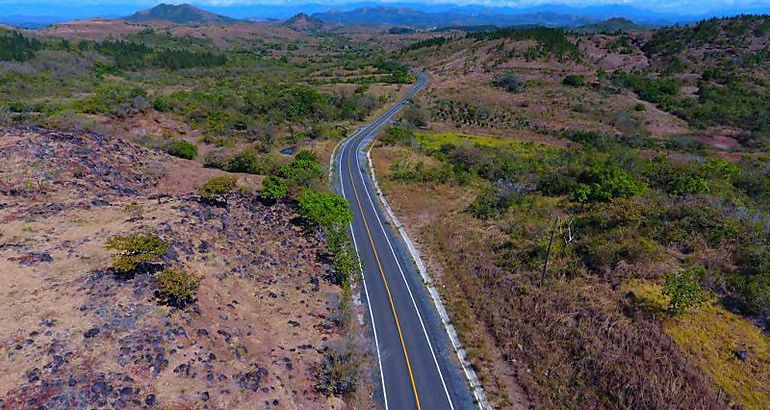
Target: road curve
(414,353)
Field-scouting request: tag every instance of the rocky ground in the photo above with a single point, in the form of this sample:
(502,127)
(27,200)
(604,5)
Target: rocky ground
(76,335)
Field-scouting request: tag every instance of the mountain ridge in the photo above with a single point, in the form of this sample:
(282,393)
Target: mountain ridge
(179,14)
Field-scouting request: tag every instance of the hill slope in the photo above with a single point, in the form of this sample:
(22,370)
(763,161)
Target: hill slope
(179,14)
(259,320)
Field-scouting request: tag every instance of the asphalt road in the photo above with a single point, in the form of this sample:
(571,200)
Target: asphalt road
(417,366)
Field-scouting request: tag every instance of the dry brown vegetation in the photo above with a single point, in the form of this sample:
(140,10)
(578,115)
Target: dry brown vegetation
(80,335)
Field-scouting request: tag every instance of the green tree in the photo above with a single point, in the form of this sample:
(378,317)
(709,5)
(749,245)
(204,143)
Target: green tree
(684,290)
(129,251)
(304,171)
(324,209)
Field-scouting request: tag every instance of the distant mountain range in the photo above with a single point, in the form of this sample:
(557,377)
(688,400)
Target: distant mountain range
(31,14)
(416,18)
(179,14)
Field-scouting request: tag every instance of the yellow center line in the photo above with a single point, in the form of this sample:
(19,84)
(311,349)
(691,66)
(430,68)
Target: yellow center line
(387,287)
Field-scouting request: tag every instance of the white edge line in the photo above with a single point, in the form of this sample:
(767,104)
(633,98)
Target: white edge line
(403,277)
(344,144)
(470,374)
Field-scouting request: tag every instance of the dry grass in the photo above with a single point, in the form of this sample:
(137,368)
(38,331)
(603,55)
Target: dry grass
(710,336)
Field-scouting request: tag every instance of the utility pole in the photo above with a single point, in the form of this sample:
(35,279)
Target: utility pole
(548,253)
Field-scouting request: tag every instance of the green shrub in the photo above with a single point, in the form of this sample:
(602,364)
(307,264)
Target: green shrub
(218,188)
(604,183)
(684,290)
(574,80)
(129,251)
(177,287)
(688,184)
(324,209)
(182,149)
(274,188)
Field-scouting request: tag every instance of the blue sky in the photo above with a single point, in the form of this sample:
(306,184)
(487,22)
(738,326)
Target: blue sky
(646,4)
(63,10)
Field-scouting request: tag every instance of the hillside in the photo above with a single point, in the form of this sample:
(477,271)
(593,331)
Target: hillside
(85,334)
(580,179)
(178,14)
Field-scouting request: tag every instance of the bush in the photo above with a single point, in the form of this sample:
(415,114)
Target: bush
(216,158)
(324,209)
(274,188)
(218,188)
(304,171)
(684,290)
(687,184)
(574,80)
(415,116)
(182,149)
(397,136)
(306,155)
(177,287)
(129,251)
(509,82)
(244,161)
(340,369)
(605,183)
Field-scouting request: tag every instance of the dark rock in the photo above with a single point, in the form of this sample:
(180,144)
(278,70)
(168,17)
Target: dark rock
(149,400)
(252,379)
(99,202)
(126,393)
(742,355)
(91,333)
(205,396)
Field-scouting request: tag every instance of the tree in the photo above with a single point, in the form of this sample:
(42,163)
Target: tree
(324,209)
(415,116)
(129,251)
(304,171)
(274,188)
(684,290)
(218,188)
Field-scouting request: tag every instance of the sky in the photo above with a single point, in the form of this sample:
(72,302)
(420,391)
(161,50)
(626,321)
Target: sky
(645,4)
(53,10)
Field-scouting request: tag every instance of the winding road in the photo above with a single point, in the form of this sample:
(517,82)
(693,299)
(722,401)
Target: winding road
(418,367)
